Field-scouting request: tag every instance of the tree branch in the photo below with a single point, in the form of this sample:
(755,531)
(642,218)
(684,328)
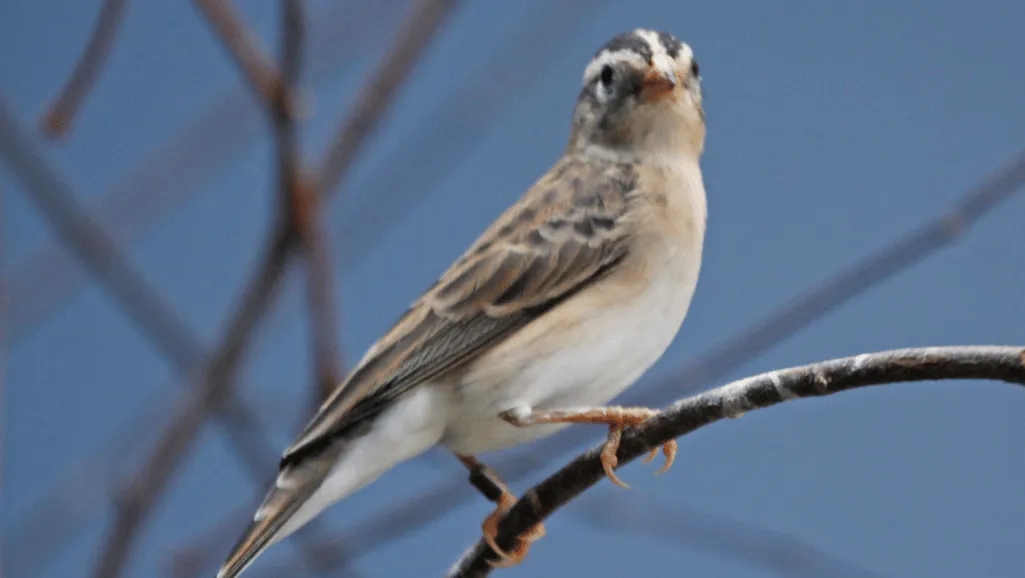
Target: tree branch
(695,529)
(302,204)
(61,113)
(258,70)
(217,378)
(745,345)
(42,286)
(423,21)
(1003,363)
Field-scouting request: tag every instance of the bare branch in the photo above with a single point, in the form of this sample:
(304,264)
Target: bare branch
(175,171)
(217,378)
(90,244)
(409,172)
(251,60)
(376,96)
(212,388)
(856,279)
(303,205)
(699,530)
(778,325)
(209,545)
(89,241)
(146,309)
(734,400)
(61,114)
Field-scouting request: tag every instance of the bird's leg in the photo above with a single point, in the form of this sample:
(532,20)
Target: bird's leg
(616,417)
(494,489)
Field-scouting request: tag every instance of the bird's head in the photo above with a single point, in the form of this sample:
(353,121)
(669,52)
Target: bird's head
(641,94)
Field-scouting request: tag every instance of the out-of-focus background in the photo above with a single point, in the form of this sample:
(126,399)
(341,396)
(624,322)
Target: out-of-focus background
(834,131)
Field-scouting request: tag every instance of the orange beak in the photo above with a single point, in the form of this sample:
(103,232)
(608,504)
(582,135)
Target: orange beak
(658,83)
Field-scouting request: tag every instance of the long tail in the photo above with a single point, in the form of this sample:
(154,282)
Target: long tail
(293,488)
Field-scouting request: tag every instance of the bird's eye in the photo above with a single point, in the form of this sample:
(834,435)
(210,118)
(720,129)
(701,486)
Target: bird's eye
(606,75)
(694,70)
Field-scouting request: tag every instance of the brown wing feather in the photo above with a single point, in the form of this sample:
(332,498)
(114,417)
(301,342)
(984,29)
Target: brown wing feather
(568,230)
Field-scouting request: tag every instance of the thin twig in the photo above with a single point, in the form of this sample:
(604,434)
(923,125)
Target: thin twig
(61,114)
(375,98)
(410,172)
(62,510)
(208,393)
(732,401)
(210,544)
(784,322)
(216,381)
(249,57)
(104,259)
(175,172)
(150,313)
(303,204)
(684,526)
(89,243)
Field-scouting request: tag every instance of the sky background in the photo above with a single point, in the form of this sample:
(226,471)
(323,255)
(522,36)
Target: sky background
(833,129)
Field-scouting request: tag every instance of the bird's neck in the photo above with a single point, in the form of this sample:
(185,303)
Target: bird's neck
(658,156)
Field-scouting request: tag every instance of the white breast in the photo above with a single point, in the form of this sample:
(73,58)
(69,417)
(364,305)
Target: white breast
(587,364)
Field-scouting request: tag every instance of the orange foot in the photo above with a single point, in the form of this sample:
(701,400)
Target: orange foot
(623,417)
(490,528)
(616,417)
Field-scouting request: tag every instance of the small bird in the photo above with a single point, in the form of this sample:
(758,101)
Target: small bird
(558,307)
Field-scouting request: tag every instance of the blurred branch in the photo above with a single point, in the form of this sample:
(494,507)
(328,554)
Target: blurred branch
(216,381)
(102,256)
(211,388)
(210,545)
(303,205)
(727,356)
(474,107)
(86,239)
(250,59)
(944,230)
(689,527)
(176,170)
(732,401)
(80,492)
(61,114)
(376,96)
(62,510)
(90,244)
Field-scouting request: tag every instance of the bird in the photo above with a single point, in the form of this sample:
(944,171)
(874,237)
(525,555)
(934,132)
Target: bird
(560,305)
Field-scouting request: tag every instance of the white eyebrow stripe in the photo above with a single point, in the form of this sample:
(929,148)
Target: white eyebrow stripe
(612,57)
(653,41)
(685,55)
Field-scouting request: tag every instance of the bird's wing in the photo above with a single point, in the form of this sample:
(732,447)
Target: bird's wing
(567,231)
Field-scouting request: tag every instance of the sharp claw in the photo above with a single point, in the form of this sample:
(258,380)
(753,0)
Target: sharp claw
(669,449)
(534,534)
(609,461)
(651,456)
(490,530)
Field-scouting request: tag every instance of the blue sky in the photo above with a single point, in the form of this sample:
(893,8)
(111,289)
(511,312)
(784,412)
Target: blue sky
(832,130)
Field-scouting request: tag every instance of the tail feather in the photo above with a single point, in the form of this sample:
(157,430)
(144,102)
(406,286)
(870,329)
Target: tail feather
(278,508)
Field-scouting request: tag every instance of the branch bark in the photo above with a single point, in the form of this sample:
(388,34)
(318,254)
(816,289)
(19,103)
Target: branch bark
(302,204)
(215,382)
(174,171)
(251,60)
(744,346)
(1002,363)
(61,114)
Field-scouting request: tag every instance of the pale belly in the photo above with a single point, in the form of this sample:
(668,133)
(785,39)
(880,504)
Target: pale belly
(586,365)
